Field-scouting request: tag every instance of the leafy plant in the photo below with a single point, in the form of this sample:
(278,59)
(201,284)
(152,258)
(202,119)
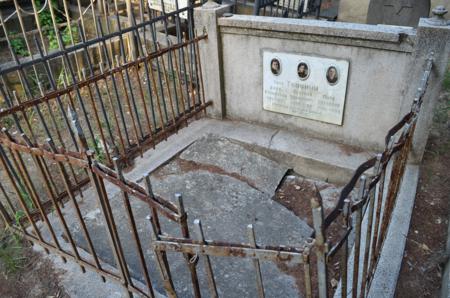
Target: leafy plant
(100,152)
(18,216)
(18,45)
(11,252)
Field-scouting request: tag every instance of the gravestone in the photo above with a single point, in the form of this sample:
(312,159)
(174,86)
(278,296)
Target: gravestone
(397,12)
(305,86)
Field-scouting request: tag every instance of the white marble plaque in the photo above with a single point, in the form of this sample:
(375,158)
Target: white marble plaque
(169,6)
(305,86)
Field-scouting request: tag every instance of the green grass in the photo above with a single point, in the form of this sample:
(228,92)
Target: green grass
(11,252)
(446,82)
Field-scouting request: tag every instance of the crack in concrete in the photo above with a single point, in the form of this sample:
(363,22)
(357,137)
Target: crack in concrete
(190,166)
(272,137)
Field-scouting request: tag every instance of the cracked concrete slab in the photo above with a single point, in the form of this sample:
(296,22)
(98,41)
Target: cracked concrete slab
(226,186)
(225,183)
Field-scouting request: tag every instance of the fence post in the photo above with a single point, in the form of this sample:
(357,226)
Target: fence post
(190,259)
(210,55)
(161,262)
(320,244)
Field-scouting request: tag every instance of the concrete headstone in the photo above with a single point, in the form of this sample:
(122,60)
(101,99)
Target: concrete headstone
(397,12)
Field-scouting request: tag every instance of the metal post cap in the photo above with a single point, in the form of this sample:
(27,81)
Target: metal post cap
(439,11)
(438,16)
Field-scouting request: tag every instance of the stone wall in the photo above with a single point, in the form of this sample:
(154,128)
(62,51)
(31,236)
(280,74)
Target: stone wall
(385,67)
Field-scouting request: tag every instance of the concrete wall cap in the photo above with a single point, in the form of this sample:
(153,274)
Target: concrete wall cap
(384,33)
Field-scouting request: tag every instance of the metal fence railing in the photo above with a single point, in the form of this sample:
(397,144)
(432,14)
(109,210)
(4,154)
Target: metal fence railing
(38,190)
(80,112)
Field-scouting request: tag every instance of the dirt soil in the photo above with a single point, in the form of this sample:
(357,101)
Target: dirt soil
(33,277)
(425,255)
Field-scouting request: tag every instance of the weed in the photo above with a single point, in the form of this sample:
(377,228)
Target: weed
(18,45)
(7,122)
(446,82)
(99,150)
(11,252)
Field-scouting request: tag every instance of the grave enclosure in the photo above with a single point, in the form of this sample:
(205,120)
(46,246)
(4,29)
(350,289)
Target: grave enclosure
(259,151)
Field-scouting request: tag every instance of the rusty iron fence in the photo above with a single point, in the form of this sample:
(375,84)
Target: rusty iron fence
(68,134)
(128,100)
(33,212)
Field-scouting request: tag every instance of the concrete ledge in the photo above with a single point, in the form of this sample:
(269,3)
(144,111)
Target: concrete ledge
(389,265)
(308,156)
(362,32)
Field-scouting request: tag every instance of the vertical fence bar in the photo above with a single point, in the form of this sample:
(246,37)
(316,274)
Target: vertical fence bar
(19,193)
(102,198)
(76,207)
(307,271)
(208,267)
(258,275)
(371,197)
(132,224)
(185,233)
(361,195)
(161,262)
(344,259)
(320,245)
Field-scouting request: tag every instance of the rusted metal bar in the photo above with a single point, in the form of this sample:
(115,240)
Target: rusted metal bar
(170,64)
(134,231)
(166,208)
(60,156)
(31,190)
(229,251)
(5,215)
(113,236)
(97,119)
(104,273)
(144,53)
(161,262)
(116,120)
(110,74)
(21,199)
(77,92)
(207,261)
(80,84)
(320,245)
(307,272)
(172,110)
(190,258)
(361,195)
(7,198)
(344,258)
(258,275)
(78,214)
(197,56)
(182,99)
(99,95)
(127,76)
(158,71)
(93,41)
(129,104)
(371,196)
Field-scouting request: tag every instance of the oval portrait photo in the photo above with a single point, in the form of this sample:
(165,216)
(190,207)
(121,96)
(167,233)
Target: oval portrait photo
(275,66)
(303,71)
(332,75)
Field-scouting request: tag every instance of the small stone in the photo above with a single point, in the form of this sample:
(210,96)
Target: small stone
(334,283)
(297,187)
(415,231)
